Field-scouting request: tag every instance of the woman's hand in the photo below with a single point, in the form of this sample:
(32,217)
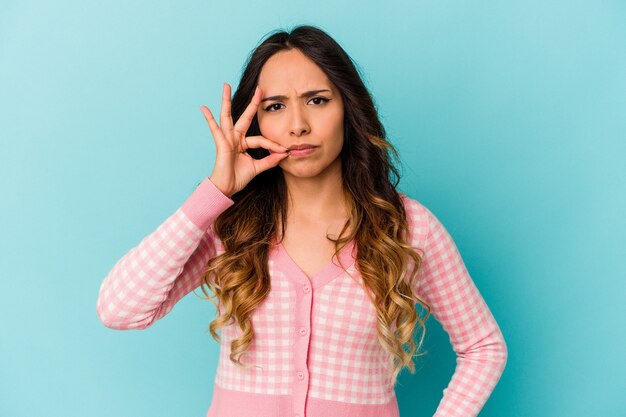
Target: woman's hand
(234,168)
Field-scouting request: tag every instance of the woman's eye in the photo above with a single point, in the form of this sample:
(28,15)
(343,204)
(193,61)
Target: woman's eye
(272,108)
(324,100)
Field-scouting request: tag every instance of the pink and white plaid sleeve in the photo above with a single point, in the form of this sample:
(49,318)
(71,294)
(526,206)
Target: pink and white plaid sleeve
(146,283)
(474,334)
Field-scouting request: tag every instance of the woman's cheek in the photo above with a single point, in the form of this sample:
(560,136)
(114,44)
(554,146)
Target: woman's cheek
(268,130)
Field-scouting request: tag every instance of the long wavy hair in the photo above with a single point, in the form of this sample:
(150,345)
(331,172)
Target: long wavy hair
(239,277)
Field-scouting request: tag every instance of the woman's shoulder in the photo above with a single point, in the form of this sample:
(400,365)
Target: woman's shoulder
(415,209)
(418,217)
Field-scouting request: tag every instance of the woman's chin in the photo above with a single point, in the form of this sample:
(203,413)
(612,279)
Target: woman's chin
(300,172)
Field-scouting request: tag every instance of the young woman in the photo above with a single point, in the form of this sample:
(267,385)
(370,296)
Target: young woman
(317,262)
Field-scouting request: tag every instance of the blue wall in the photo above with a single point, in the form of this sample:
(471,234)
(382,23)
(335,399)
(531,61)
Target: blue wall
(509,118)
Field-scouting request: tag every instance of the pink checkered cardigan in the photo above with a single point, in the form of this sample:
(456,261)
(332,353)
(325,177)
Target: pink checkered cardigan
(315,351)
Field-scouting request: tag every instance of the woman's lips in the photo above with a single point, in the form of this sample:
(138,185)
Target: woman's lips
(302,152)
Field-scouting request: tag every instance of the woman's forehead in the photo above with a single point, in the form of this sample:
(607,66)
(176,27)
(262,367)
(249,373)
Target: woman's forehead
(291,71)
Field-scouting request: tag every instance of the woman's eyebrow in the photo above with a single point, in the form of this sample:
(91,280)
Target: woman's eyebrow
(305,94)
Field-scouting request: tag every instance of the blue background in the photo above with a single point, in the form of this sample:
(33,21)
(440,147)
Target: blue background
(509,118)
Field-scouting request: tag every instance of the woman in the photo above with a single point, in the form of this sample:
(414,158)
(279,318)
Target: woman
(314,257)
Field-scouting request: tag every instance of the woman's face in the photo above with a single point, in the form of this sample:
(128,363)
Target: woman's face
(314,119)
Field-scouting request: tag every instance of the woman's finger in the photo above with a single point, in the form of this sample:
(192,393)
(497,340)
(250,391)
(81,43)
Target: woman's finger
(215,130)
(244,122)
(268,162)
(226,119)
(261,142)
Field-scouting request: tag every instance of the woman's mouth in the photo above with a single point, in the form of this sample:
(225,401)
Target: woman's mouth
(302,151)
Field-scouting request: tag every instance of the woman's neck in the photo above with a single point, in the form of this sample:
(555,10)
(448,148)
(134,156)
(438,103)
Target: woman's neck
(319,197)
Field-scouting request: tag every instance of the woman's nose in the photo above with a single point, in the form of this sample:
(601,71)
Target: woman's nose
(299,124)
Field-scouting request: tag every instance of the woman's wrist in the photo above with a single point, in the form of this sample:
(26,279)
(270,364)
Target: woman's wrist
(219,186)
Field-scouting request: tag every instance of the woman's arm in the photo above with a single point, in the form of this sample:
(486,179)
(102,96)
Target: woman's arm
(457,304)
(146,283)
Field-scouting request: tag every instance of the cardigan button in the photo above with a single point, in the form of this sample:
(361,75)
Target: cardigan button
(302,331)
(306,288)
(300,375)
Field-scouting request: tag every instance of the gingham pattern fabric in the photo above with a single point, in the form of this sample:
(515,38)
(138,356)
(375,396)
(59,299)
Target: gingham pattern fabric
(315,346)
(444,282)
(270,356)
(347,363)
(146,283)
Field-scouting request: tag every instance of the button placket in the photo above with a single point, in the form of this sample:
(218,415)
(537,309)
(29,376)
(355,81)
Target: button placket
(301,344)
(301,339)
